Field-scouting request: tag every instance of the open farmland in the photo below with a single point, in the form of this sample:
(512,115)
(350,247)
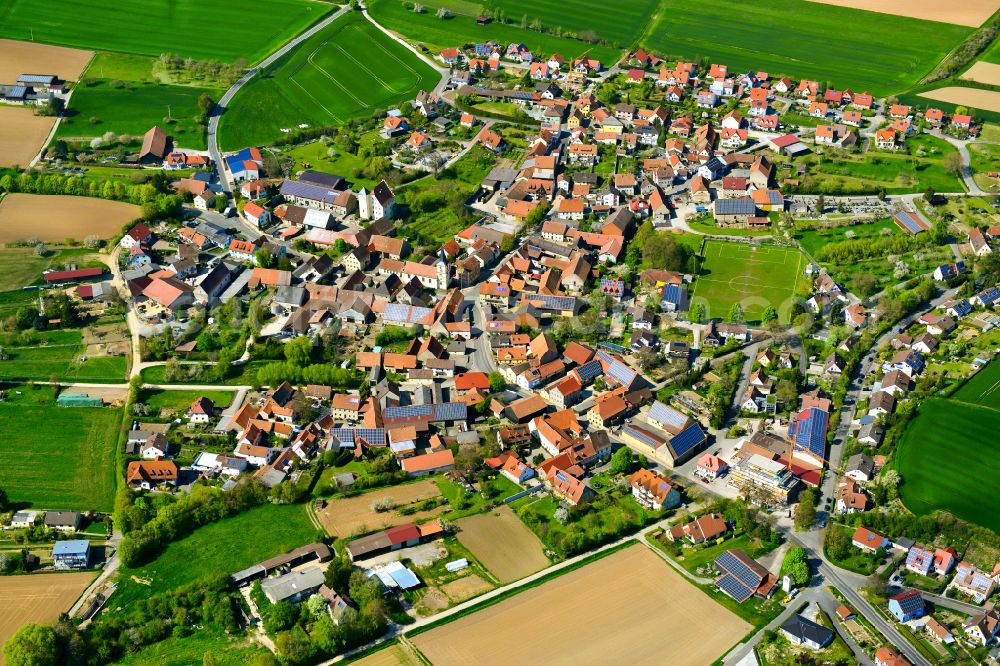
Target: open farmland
(503,544)
(22,135)
(18,58)
(37,598)
(974,98)
(572,16)
(984,72)
(133,108)
(753,276)
(971,13)
(219,29)
(62,353)
(435,33)
(646,612)
(394,655)
(344,517)
(345,71)
(793,37)
(64,216)
(223,547)
(58,457)
(936,435)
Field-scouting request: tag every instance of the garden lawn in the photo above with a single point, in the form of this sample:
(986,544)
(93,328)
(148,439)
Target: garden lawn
(348,70)
(753,276)
(949,459)
(222,547)
(57,457)
(436,34)
(58,353)
(180,400)
(121,66)
(220,30)
(793,37)
(813,239)
(316,155)
(192,649)
(133,109)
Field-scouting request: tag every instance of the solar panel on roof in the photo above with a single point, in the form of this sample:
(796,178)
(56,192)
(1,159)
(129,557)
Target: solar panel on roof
(667,415)
(621,373)
(641,436)
(589,370)
(735,567)
(731,586)
(691,437)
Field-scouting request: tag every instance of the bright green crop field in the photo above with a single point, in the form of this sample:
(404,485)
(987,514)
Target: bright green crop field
(622,23)
(848,47)
(57,457)
(624,20)
(949,456)
(347,70)
(755,277)
(133,109)
(221,30)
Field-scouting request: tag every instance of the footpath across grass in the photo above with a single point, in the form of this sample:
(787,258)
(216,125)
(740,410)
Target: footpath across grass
(57,457)
(754,276)
(348,70)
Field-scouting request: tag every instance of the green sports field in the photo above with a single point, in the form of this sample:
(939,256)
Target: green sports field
(347,70)
(949,456)
(221,30)
(862,50)
(435,33)
(133,109)
(754,276)
(57,457)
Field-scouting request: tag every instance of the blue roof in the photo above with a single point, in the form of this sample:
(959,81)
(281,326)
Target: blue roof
(987,296)
(72,547)
(961,307)
(404,578)
(689,438)
(809,431)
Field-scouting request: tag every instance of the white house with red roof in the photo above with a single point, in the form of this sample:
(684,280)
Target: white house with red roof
(137,235)
(710,466)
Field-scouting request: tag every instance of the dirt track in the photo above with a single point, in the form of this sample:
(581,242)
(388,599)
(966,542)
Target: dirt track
(984,72)
(629,607)
(503,544)
(354,515)
(37,598)
(57,217)
(974,98)
(22,135)
(18,58)
(972,13)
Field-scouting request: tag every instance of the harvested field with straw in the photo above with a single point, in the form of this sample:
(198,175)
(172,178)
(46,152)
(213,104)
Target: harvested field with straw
(18,58)
(985,100)
(503,544)
(22,135)
(971,13)
(984,72)
(58,217)
(646,613)
(37,598)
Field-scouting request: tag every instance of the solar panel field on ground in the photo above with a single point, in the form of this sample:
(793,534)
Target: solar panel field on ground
(221,29)
(754,276)
(345,71)
(949,456)
(793,37)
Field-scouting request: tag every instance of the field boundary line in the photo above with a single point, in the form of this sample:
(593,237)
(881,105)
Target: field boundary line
(330,77)
(397,59)
(365,69)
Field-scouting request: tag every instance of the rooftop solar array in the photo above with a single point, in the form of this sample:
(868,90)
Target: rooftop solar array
(741,206)
(734,566)
(373,436)
(622,374)
(291,188)
(548,302)
(641,435)
(688,439)
(672,294)
(809,433)
(910,223)
(446,411)
(731,586)
(400,312)
(589,370)
(667,415)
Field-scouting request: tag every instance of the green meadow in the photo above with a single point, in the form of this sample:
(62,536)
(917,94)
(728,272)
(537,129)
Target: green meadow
(348,70)
(862,50)
(221,30)
(57,457)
